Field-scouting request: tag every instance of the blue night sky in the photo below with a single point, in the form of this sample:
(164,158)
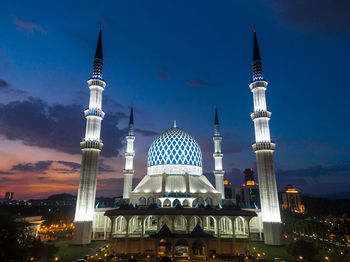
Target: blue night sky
(173,60)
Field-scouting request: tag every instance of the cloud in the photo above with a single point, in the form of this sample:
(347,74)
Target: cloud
(59,127)
(109,104)
(6,173)
(317,171)
(325,16)
(72,167)
(163,73)
(315,179)
(104,168)
(6,88)
(39,167)
(198,83)
(27,26)
(145,132)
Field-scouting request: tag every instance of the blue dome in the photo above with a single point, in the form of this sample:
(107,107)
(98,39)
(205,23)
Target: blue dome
(174,147)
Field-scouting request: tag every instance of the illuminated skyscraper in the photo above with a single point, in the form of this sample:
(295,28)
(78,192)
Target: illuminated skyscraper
(264,148)
(250,190)
(91,147)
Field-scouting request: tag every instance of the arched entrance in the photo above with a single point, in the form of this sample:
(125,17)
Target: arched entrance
(166,203)
(194,221)
(150,225)
(180,224)
(181,251)
(166,220)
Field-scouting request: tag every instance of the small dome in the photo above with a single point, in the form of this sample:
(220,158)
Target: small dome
(174,147)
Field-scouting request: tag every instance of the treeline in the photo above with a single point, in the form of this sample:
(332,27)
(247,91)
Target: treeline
(322,207)
(51,214)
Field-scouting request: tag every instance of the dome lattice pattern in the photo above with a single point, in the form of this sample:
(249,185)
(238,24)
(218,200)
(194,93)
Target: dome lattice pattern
(173,147)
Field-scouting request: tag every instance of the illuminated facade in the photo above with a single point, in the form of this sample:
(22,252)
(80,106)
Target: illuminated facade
(218,172)
(174,174)
(264,148)
(91,147)
(129,158)
(291,200)
(249,192)
(175,211)
(230,193)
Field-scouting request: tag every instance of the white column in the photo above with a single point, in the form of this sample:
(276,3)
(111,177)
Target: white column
(129,168)
(264,149)
(218,171)
(91,146)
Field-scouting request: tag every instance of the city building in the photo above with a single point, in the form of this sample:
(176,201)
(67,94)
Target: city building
(249,191)
(264,148)
(9,195)
(291,200)
(230,193)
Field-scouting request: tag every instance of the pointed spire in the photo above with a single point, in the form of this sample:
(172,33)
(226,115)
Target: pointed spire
(257,66)
(98,53)
(256,51)
(131,122)
(216,123)
(98,62)
(174,123)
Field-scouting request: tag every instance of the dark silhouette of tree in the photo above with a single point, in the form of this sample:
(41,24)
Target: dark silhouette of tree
(18,244)
(302,248)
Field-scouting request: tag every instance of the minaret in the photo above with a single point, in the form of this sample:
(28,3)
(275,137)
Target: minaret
(218,172)
(129,158)
(91,147)
(264,148)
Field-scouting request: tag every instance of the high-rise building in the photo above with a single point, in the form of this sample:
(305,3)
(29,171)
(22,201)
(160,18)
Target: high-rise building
(249,191)
(9,195)
(264,148)
(91,147)
(230,193)
(291,200)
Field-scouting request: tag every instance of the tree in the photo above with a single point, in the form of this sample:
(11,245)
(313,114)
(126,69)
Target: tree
(302,248)
(18,244)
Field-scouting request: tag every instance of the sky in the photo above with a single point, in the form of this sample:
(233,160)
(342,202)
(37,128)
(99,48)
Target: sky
(173,60)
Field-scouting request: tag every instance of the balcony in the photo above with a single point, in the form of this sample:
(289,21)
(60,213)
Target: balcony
(91,144)
(94,112)
(260,146)
(260,114)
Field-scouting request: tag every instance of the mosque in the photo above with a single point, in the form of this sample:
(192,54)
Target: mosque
(175,211)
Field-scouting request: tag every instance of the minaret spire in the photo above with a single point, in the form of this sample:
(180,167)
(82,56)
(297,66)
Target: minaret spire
(257,66)
(131,122)
(264,148)
(218,155)
(98,62)
(216,123)
(256,51)
(91,147)
(129,158)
